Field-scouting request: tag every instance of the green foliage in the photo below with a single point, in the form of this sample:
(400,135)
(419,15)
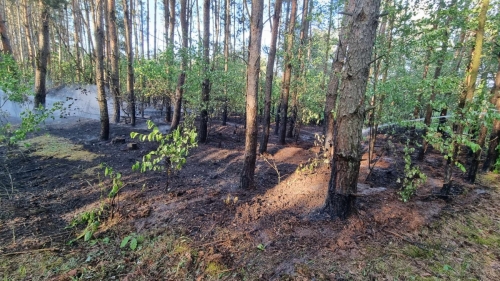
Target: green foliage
(133,240)
(413,176)
(173,148)
(116,185)
(91,219)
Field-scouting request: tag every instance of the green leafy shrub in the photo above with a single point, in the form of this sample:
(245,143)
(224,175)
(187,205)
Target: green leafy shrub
(413,176)
(173,148)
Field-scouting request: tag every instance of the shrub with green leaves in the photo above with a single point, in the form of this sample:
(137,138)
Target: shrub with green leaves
(413,176)
(172,150)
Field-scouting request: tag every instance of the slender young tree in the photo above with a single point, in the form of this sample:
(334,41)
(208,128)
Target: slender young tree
(205,85)
(492,156)
(269,76)
(99,69)
(127,16)
(42,55)
(340,201)
(466,95)
(287,75)
(253,68)
(227,34)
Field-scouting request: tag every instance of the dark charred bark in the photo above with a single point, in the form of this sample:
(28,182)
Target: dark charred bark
(42,56)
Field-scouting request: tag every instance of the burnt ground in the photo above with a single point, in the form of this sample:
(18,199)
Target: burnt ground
(202,227)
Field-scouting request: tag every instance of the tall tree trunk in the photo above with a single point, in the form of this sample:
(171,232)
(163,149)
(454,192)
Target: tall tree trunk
(99,69)
(334,83)
(492,156)
(154,31)
(6,47)
(466,95)
(253,68)
(205,85)
(184,62)
(340,201)
(172,23)
(130,61)
(269,76)
(76,38)
(300,72)
(287,75)
(42,56)
(227,34)
(114,85)
(28,28)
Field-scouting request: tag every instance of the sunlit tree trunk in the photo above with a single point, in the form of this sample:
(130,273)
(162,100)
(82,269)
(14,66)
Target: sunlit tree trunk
(99,69)
(253,68)
(287,75)
(466,95)
(269,76)
(42,56)
(340,201)
(205,85)
(184,62)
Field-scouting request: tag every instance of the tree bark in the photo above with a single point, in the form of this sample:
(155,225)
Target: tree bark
(184,62)
(334,83)
(340,201)
(130,61)
(114,85)
(42,56)
(99,69)
(269,76)
(205,85)
(253,68)
(287,75)
(6,47)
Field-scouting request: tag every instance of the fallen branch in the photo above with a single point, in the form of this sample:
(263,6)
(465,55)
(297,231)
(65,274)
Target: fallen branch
(31,251)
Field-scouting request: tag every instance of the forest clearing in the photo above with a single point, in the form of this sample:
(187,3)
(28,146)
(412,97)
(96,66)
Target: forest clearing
(249,140)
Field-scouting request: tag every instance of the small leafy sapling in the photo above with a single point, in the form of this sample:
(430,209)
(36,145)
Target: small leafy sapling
(172,150)
(117,185)
(413,176)
(133,240)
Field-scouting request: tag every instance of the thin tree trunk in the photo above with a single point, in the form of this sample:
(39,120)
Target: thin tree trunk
(466,95)
(227,34)
(269,76)
(299,73)
(42,56)
(340,201)
(492,156)
(253,68)
(437,74)
(205,85)
(130,61)
(115,58)
(184,62)
(287,75)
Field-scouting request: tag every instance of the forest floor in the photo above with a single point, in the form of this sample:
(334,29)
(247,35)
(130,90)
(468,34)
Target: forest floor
(202,227)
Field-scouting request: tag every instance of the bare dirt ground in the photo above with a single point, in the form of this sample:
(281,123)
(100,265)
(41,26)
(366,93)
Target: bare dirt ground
(202,227)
